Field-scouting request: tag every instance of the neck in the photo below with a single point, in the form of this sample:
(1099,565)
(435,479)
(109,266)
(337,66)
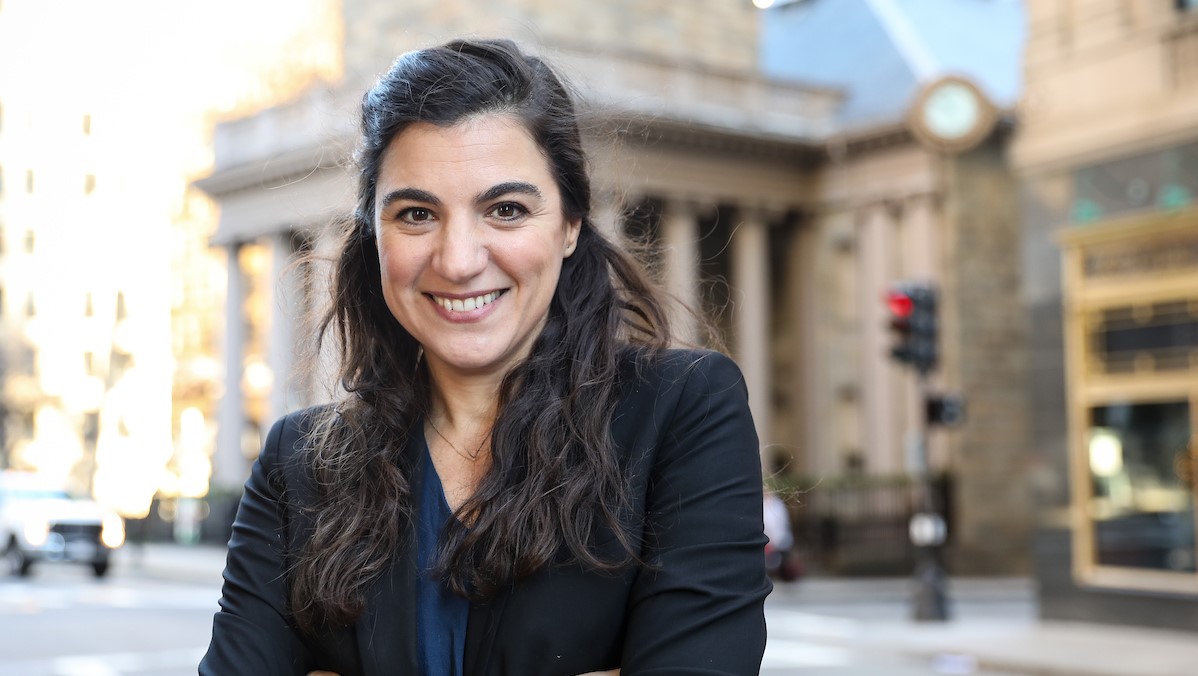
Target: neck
(464,404)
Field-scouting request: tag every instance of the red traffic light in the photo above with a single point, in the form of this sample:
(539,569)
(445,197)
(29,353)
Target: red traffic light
(901,304)
(911,308)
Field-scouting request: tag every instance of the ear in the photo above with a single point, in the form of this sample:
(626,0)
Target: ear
(572,229)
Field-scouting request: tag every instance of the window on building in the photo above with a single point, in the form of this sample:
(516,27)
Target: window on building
(1143,510)
(89,184)
(27,361)
(118,364)
(28,424)
(91,427)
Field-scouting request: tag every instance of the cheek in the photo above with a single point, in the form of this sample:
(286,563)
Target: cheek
(396,268)
(536,262)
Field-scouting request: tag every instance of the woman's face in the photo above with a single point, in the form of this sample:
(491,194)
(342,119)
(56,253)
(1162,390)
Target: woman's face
(471,238)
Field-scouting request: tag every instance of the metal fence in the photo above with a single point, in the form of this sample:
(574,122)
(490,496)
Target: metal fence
(858,525)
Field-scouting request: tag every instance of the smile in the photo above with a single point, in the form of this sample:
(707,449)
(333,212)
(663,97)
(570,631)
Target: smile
(466,304)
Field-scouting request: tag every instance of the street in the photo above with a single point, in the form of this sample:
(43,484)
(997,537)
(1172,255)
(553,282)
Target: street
(858,627)
(61,621)
(153,617)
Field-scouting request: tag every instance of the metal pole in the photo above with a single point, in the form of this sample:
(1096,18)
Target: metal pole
(927,531)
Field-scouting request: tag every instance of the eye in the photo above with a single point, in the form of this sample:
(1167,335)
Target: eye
(415,215)
(508,211)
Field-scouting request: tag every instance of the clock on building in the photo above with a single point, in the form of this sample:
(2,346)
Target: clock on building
(952,115)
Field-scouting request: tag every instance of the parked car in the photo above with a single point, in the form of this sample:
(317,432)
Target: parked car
(40,521)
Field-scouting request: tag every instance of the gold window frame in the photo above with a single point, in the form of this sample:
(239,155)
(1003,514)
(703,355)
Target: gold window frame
(1134,261)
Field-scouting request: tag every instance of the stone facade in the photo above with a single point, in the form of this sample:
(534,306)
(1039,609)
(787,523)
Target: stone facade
(711,33)
(1103,154)
(986,357)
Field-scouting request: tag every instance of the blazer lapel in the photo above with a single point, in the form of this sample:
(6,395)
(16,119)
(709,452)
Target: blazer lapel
(482,626)
(386,631)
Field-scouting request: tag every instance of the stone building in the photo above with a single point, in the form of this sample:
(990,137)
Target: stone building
(1107,159)
(789,170)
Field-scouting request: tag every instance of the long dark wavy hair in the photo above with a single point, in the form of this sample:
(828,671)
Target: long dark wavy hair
(554,475)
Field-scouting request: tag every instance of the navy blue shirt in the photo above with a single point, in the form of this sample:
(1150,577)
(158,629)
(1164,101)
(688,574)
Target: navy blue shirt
(441,614)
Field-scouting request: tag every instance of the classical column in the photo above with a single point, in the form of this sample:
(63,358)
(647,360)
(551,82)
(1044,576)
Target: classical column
(286,306)
(608,215)
(680,247)
(229,466)
(321,382)
(751,312)
(882,436)
(921,245)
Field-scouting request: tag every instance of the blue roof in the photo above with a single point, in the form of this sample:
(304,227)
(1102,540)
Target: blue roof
(880,52)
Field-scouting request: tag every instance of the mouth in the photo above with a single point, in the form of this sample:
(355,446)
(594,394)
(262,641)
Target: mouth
(466,304)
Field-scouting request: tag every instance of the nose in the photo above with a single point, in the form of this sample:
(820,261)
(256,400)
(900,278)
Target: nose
(461,252)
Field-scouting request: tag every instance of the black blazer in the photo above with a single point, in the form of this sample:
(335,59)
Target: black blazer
(684,428)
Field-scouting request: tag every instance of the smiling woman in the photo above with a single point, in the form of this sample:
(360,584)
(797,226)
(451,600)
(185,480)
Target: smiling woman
(523,477)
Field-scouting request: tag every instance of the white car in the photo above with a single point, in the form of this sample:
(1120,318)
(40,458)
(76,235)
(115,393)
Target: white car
(42,522)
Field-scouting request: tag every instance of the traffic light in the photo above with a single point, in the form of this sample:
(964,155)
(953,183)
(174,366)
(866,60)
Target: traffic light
(913,325)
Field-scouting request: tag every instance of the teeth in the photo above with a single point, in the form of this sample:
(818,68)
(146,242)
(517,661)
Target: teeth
(463,305)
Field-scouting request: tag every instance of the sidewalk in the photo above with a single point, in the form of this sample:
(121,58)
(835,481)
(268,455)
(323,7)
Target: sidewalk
(993,628)
(194,564)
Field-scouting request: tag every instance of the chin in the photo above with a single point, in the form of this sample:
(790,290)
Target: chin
(477,363)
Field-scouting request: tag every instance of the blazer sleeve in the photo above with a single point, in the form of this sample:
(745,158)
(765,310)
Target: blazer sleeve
(251,634)
(698,607)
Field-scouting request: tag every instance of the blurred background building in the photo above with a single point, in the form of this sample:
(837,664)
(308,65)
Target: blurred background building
(86,348)
(110,294)
(1033,162)
(1107,158)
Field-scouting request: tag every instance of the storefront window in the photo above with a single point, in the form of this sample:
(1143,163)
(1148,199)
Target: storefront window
(1142,503)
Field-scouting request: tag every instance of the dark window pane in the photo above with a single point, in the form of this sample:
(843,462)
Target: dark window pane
(1143,505)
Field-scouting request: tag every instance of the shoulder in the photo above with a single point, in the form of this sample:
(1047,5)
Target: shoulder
(289,434)
(665,388)
(684,371)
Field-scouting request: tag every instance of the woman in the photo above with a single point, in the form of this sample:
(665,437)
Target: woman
(521,478)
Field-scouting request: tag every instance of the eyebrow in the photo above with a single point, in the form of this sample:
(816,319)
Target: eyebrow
(494,192)
(519,187)
(411,194)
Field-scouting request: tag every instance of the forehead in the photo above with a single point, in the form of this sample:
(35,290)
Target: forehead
(477,149)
